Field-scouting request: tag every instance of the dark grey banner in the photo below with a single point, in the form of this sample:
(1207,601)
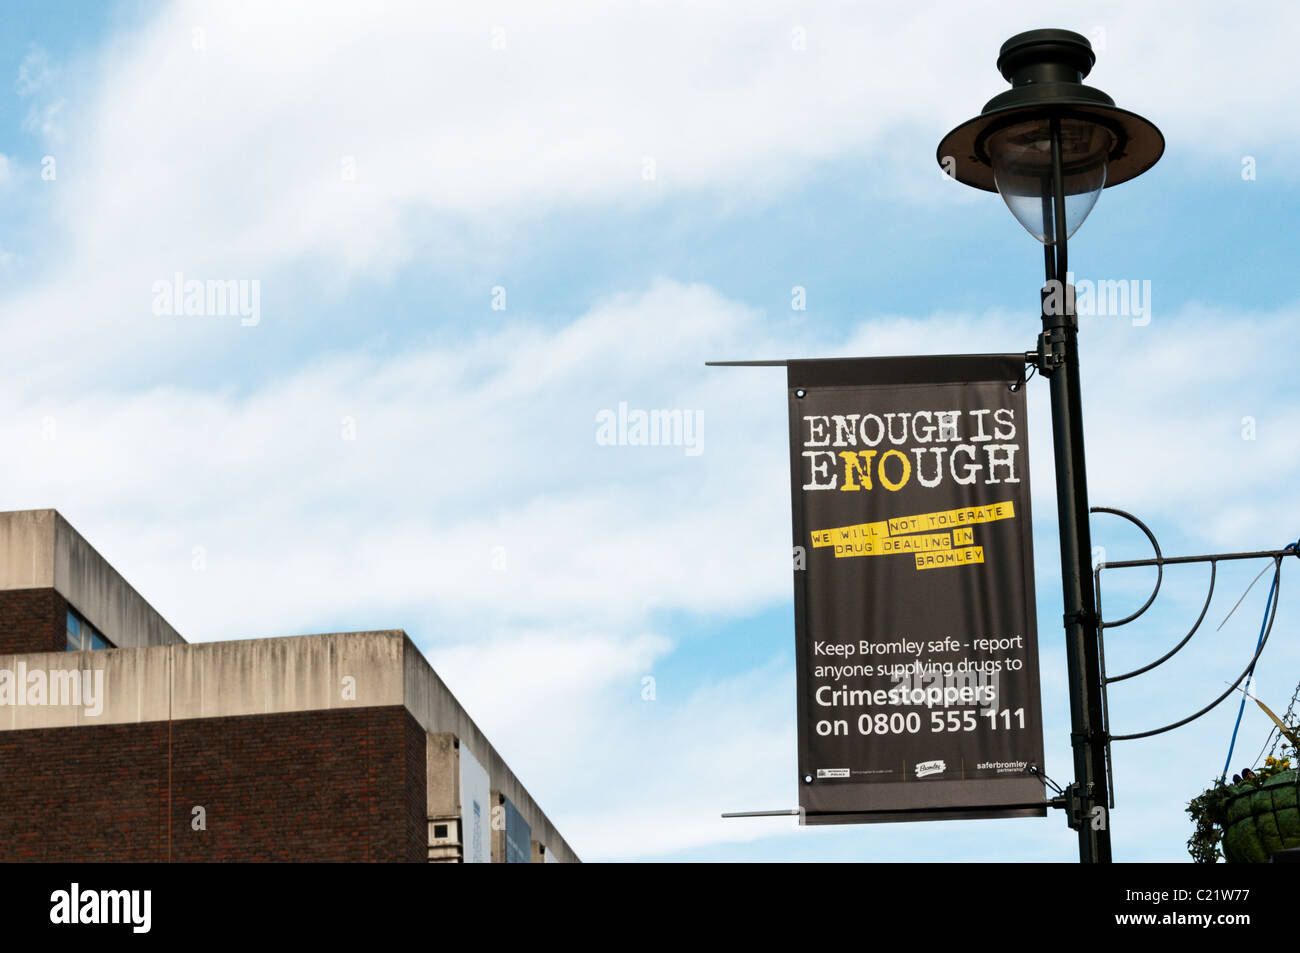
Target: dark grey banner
(917,650)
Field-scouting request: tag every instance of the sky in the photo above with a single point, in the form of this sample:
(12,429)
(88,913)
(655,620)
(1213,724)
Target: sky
(471,228)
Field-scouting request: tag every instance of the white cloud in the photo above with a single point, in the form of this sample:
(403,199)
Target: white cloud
(227,158)
(46,121)
(727,746)
(37,82)
(456,453)
(35,72)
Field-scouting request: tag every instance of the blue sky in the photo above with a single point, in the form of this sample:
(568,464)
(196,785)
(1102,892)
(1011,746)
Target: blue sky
(384,448)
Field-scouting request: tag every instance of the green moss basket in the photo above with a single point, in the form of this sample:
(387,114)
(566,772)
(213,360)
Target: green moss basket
(1262,820)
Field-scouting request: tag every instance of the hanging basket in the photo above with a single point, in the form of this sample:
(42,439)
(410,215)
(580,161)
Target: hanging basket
(1262,820)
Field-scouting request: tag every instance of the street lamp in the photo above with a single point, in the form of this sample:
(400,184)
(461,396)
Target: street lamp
(1049,145)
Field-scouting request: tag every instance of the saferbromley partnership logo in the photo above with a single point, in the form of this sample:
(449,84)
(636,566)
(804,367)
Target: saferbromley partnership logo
(1002,767)
(95,907)
(66,688)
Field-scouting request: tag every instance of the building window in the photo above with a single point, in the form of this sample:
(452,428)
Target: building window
(82,636)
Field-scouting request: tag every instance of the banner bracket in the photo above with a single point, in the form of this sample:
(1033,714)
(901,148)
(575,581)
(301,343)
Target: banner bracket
(1076,808)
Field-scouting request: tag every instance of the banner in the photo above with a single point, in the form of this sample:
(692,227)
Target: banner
(475,794)
(519,835)
(917,649)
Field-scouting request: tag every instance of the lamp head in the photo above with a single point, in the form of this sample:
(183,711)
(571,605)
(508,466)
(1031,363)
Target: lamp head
(1007,148)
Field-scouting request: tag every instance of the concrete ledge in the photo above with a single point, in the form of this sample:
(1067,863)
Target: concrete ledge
(298,673)
(125,686)
(433,705)
(39,549)
(27,549)
(259,677)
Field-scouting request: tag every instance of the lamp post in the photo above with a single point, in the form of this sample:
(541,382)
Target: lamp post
(1049,145)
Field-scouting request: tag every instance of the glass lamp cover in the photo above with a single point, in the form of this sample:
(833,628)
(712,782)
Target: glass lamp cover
(1022,171)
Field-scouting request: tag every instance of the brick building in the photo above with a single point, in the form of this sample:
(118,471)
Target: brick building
(120,741)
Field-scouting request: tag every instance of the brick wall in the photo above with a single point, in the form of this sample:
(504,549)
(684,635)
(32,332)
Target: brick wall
(94,794)
(32,620)
(416,846)
(340,785)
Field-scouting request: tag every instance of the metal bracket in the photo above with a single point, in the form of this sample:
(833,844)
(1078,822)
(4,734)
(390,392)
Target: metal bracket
(1098,736)
(1160,561)
(1075,805)
(1051,350)
(1080,617)
(1058,322)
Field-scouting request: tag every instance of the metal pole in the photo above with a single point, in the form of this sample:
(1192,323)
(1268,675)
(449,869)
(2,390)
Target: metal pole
(1061,350)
